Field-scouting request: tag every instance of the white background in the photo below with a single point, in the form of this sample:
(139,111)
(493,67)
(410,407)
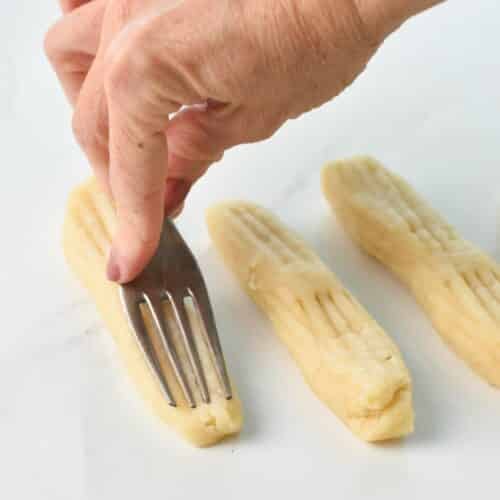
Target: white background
(71,427)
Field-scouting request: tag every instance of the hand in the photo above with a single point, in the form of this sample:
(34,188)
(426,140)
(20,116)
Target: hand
(242,68)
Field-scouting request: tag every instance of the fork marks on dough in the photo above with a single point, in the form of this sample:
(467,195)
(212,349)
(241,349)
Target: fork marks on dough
(403,207)
(92,208)
(88,231)
(264,235)
(482,293)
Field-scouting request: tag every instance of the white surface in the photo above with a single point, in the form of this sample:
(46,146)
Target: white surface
(70,425)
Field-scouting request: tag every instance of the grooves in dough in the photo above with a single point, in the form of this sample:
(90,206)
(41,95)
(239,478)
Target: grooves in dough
(89,222)
(345,357)
(456,283)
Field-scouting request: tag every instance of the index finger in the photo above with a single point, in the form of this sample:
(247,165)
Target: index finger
(138,154)
(137,177)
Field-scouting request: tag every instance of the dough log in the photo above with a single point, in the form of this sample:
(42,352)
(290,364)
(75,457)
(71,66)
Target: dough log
(89,222)
(457,285)
(345,356)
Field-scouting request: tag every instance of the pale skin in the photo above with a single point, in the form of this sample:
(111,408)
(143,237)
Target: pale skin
(242,67)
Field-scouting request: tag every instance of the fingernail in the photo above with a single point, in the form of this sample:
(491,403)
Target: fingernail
(113,268)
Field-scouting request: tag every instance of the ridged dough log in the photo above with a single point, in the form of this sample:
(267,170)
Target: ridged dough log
(89,224)
(457,284)
(346,358)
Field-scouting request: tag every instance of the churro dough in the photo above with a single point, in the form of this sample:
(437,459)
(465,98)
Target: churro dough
(455,282)
(345,356)
(89,222)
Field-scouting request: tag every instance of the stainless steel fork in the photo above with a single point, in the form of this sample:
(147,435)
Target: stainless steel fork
(173,275)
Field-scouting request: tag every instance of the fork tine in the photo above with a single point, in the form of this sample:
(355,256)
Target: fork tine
(204,309)
(147,348)
(155,307)
(185,326)
(172,273)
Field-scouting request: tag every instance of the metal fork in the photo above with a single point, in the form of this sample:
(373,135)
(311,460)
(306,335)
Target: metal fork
(173,275)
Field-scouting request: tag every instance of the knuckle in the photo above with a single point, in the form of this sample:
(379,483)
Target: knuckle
(127,66)
(51,45)
(176,64)
(140,79)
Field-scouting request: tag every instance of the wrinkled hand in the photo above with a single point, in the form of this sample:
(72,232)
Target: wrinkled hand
(241,67)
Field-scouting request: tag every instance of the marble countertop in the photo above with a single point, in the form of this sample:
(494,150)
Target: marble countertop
(71,427)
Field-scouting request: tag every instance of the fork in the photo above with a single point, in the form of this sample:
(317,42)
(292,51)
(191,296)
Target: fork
(173,275)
